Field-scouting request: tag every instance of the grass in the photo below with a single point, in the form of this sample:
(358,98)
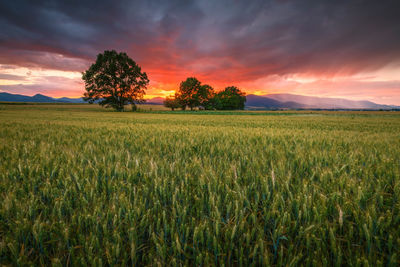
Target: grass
(81,185)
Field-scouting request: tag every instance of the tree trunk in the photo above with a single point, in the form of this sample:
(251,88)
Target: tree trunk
(120,107)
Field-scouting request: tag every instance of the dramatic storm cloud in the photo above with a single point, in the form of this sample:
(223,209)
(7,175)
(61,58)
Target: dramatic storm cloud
(330,48)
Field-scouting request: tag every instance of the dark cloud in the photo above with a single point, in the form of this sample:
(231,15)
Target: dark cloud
(225,40)
(39,59)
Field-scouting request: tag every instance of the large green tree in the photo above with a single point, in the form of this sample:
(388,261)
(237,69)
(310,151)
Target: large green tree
(192,93)
(205,96)
(115,80)
(230,98)
(187,95)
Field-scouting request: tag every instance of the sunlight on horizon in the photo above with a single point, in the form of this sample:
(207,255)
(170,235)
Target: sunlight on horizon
(59,83)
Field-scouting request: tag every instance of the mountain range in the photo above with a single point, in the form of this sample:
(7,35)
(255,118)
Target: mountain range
(254,102)
(38,98)
(291,101)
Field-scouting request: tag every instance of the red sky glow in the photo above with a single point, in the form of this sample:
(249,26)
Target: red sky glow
(345,49)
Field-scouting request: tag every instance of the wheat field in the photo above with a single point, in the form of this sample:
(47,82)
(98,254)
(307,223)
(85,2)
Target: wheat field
(81,185)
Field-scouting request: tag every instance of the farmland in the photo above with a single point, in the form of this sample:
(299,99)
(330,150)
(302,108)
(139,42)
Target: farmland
(81,185)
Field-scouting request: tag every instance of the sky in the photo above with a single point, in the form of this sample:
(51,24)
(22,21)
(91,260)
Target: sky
(348,49)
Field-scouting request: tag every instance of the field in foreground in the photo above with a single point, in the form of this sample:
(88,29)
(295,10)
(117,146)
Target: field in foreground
(80,185)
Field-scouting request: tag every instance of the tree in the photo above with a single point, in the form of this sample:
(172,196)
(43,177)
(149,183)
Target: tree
(230,98)
(188,93)
(205,96)
(115,80)
(192,93)
(171,103)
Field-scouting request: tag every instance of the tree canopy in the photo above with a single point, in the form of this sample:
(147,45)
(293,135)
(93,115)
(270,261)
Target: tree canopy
(171,103)
(115,80)
(192,94)
(189,93)
(230,98)
(206,96)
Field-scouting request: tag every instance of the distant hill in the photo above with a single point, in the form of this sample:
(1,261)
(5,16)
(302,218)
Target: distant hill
(71,100)
(329,103)
(155,101)
(271,101)
(43,98)
(264,102)
(289,101)
(23,98)
(39,98)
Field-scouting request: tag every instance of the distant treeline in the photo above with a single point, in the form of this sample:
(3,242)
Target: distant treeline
(192,94)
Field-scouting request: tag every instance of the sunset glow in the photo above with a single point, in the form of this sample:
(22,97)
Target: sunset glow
(261,48)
